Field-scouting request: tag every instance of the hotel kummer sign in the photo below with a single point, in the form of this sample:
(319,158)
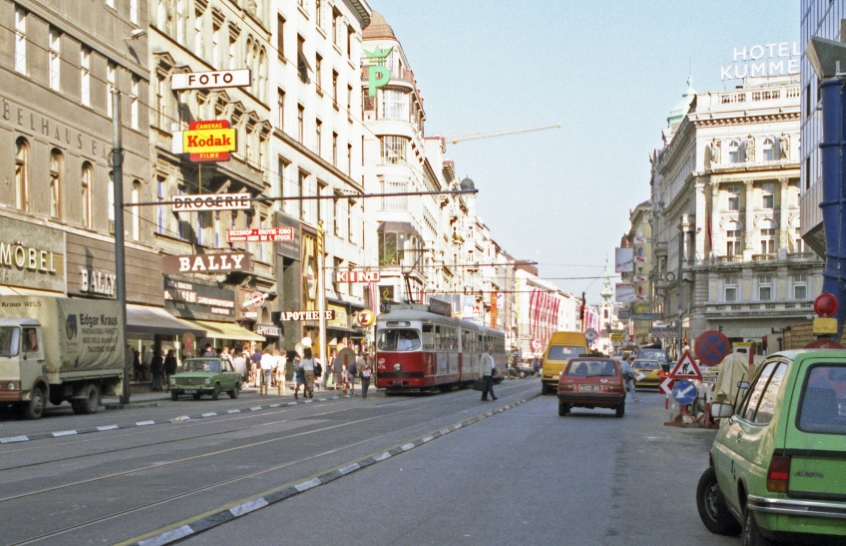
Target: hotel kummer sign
(771,59)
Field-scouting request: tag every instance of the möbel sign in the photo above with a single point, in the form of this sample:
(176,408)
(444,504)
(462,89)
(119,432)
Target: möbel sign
(206,263)
(211,80)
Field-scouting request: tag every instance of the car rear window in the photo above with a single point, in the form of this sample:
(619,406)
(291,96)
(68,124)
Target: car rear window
(646,365)
(823,402)
(565,352)
(590,368)
(653,354)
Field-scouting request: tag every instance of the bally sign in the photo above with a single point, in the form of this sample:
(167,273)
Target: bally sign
(306,315)
(207,263)
(217,201)
(358,276)
(211,80)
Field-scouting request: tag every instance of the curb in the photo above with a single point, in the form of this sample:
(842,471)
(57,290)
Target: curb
(274,496)
(89,430)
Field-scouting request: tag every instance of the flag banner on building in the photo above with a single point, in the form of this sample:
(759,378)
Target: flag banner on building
(624,260)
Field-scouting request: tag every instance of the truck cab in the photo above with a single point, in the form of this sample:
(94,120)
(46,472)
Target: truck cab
(22,367)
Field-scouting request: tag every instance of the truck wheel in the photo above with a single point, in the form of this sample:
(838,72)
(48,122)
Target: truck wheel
(215,392)
(174,396)
(233,394)
(35,408)
(91,402)
(712,506)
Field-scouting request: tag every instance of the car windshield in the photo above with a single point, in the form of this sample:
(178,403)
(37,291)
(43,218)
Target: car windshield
(394,339)
(9,341)
(653,354)
(591,368)
(823,401)
(201,365)
(646,364)
(565,352)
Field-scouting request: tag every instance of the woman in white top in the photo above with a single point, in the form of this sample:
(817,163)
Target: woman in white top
(307,364)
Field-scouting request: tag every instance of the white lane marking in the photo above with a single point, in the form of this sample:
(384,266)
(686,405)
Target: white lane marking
(13,439)
(427,438)
(408,446)
(444,431)
(64,433)
(248,507)
(257,408)
(234,411)
(382,457)
(347,469)
(109,427)
(275,405)
(292,403)
(210,414)
(145,423)
(168,537)
(307,485)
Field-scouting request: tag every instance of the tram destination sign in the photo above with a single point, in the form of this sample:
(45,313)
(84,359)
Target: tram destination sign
(260,235)
(212,201)
(211,80)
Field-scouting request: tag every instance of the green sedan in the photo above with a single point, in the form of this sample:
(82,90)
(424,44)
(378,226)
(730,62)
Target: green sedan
(201,376)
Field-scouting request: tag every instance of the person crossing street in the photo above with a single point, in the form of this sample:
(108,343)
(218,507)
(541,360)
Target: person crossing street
(487,366)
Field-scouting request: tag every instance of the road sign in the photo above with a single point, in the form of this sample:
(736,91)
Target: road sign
(667,385)
(260,235)
(643,316)
(384,306)
(618,337)
(590,334)
(684,391)
(711,347)
(686,368)
(537,345)
(211,80)
(254,299)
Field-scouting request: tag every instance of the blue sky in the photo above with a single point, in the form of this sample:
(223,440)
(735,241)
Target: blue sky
(609,71)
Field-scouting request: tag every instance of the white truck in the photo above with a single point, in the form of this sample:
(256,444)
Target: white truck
(59,349)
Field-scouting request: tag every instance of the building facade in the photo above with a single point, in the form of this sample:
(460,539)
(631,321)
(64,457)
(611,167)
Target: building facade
(725,195)
(638,315)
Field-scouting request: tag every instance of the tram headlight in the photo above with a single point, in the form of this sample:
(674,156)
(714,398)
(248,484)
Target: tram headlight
(397,367)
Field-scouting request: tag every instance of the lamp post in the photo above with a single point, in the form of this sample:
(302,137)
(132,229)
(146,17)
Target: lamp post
(120,271)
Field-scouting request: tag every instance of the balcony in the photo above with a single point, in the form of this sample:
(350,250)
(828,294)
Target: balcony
(764,257)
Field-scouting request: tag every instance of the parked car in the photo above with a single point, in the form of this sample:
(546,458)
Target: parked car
(592,383)
(651,370)
(205,375)
(655,353)
(777,465)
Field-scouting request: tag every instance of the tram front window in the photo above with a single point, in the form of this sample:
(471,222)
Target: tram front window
(398,340)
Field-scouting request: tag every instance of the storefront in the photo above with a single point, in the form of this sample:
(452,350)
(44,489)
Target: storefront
(31,259)
(289,278)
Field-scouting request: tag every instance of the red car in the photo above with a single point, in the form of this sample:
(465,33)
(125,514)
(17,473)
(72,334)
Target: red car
(591,383)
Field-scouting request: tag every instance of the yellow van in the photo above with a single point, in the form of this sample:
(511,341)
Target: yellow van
(562,347)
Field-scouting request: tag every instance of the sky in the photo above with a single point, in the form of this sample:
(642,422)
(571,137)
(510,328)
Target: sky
(609,71)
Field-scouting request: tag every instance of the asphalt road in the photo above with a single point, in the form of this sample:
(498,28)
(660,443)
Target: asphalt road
(521,476)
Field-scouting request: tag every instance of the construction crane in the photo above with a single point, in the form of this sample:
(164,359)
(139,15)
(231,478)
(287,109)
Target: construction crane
(474,136)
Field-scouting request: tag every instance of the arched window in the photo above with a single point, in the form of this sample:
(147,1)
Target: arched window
(605,313)
(56,181)
(22,174)
(262,91)
(768,149)
(734,151)
(136,211)
(86,183)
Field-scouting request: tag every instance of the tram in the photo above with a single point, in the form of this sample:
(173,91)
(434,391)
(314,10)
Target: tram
(423,348)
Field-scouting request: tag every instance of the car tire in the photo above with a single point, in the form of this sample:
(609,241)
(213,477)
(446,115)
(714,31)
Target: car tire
(91,402)
(563,409)
(712,507)
(751,534)
(621,410)
(233,394)
(215,394)
(197,395)
(545,389)
(174,396)
(35,408)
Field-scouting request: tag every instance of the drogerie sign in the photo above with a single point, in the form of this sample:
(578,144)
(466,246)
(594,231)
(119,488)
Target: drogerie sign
(217,201)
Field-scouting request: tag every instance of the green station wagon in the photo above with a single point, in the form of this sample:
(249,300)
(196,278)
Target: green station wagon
(778,463)
(204,375)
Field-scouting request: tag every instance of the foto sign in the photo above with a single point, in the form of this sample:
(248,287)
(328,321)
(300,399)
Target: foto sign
(206,263)
(260,235)
(358,276)
(211,80)
(215,201)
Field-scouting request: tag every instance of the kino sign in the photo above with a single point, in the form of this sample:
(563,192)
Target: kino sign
(358,276)
(211,80)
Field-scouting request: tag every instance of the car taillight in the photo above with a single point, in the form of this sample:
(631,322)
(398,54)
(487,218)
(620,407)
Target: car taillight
(615,388)
(778,475)
(565,387)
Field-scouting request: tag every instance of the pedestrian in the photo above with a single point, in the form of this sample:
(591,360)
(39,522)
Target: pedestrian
(267,362)
(318,371)
(148,359)
(365,372)
(239,364)
(338,374)
(209,350)
(329,368)
(307,365)
(352,372)
(299,376)
(226,355)
(628,377)
(536,365)
(156,370)
(255,366)
(279,369)
(486,368)
(169,367)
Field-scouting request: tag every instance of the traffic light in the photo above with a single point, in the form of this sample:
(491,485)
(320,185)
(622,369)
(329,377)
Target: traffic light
(684,341)
(581,312)
(764,343)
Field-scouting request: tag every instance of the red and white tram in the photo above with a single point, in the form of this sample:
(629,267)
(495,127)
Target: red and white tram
(422,348)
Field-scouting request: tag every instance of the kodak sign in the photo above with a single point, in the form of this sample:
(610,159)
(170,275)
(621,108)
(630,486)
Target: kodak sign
(208,139)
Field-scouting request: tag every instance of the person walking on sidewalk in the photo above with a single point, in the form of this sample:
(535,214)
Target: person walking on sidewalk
(267,362)
(156,366)
(487,366)
(307,365)
(338,374)
(628,377)
(352,372)
(299,377)
(169,368)
(364,371)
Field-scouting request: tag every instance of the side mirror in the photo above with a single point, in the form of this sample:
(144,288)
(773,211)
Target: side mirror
(719,411)
(742,384)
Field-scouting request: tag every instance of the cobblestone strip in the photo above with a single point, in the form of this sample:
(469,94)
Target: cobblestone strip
(226,515)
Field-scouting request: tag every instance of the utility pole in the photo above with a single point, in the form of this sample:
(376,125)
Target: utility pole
(120,270)
(321,298)
(679,280)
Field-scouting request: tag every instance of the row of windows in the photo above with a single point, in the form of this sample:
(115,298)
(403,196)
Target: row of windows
(765,288)
(744,151)
(437,337)
(767,241)
(768,193)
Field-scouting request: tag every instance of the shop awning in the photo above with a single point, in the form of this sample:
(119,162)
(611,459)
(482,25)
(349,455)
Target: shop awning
(226,330)
(155,320)
(18,291)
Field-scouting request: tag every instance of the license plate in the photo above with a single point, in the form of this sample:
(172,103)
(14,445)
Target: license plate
(397,383)
(190,391)
(590,388)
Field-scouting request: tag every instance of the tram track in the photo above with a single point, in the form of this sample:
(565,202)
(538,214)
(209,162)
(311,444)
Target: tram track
(229,481)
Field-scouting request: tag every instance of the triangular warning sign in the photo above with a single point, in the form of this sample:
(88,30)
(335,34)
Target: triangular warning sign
(686,368)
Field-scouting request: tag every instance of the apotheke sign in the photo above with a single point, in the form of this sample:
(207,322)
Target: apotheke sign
(306,315)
